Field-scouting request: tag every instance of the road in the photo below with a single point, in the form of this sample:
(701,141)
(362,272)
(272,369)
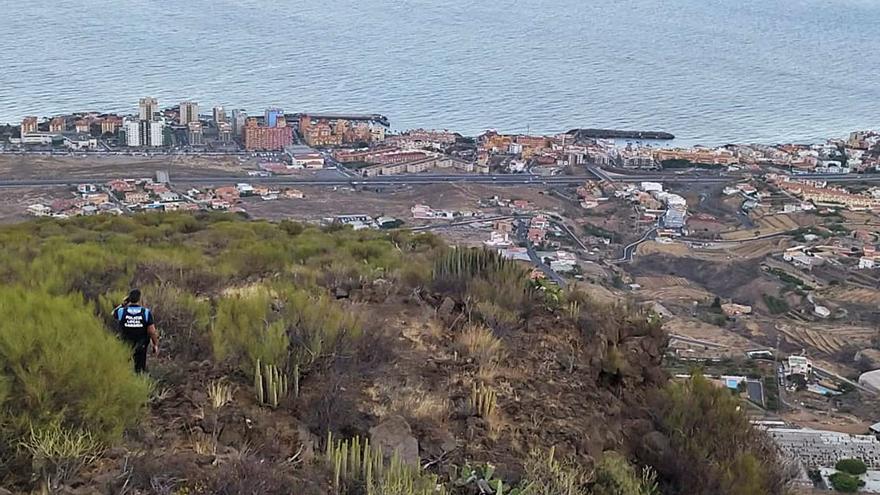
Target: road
(600,173)
(697,342)
(459,223)
(630,249)
(501,180)
(738,241)
(521,234)
(497,179)
(570,234)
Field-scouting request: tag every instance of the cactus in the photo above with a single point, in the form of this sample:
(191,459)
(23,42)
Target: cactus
(357,461)
(270,384)
(574,309)
(483,401)
(482,477)
(469,263)
(258,383)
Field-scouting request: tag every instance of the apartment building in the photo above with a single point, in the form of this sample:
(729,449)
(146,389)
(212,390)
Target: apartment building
(267,138)
(148,107)
(189,112)
(28,126)
(110,124)
(338,129)
(707,156)
(57,124)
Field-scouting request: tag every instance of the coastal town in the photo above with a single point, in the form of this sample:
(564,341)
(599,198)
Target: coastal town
(762,259)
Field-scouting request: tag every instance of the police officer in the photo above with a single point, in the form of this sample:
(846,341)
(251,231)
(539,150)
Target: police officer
(137,328)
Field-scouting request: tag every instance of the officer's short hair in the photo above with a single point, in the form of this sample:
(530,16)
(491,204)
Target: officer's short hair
(134,296)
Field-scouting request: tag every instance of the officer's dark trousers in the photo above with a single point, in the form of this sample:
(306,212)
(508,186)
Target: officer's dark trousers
(139,354)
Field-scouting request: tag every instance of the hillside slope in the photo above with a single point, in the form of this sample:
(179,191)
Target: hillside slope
(472,375)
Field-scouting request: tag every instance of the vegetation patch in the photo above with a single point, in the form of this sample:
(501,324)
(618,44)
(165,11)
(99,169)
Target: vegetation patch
(283,341)
(776,305)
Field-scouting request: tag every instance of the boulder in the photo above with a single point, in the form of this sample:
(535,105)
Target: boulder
(395,434)
(447,307)
(308,441)
(437,442)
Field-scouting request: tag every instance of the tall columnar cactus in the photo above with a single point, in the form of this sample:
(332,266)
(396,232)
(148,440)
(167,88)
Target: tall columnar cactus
(270,384)
(483,401)
(461,262)
(357,460)
(258,383)
(574,309)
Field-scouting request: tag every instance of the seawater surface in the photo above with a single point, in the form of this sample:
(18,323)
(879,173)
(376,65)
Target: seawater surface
(709,71)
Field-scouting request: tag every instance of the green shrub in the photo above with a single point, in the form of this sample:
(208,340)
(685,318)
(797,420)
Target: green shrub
(246,330)
(614,362)
(845,482)
(496,317)
(776,305)
(89,268)
(318,326)
(616,476)
(712,443)
(851,466)
(60,365)
(182,319)
(281,326)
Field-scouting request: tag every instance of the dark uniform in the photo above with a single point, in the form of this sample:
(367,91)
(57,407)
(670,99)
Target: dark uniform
(133,321)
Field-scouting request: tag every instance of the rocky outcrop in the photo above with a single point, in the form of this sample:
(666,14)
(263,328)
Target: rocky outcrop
(395,435)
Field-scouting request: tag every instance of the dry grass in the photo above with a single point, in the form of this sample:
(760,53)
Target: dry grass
(673,248)
(488,373)
(410,401)
(203,444)
(59,453)
(480,344)
(219,394)
(159,394)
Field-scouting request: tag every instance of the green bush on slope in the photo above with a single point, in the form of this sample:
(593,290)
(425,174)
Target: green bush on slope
(616,476)
(852,466)
(59,365)
(714,449)
(280,325)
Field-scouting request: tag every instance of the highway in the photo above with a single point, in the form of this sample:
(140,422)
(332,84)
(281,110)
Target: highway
(390,180)
(424,179)
(697,177)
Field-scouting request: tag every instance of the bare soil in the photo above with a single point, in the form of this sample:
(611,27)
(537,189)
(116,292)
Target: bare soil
(324,202)
(17,167)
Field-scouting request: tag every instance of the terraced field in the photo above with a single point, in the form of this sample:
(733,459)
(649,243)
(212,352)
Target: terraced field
(673,248)
(770,224)
(854,295)
(670,289)
(827,339)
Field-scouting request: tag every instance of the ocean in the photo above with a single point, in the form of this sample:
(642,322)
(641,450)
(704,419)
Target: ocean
(708,71)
